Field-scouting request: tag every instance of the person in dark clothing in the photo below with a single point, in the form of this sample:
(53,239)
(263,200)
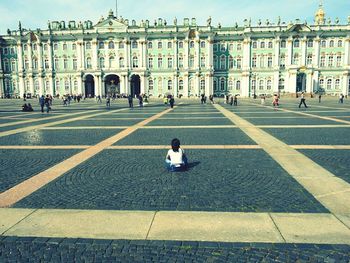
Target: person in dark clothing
(130,100)
(302,100)
(140,101)
(319,98)
(42,103)
(108,101)
(47,103)
(235,100)
(211,98)
(172,102)
(231,100)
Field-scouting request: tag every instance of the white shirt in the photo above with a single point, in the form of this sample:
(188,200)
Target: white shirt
(175,157)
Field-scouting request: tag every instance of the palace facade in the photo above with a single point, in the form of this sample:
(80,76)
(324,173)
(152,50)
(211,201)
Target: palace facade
(117,56)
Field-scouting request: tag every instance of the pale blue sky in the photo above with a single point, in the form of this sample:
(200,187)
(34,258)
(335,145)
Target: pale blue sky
(36,13)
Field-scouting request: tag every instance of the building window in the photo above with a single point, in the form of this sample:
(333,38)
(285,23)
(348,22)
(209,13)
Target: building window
(102,62)
(160,62)
(231,47)
(296,43)
(323,61)
(283,44)
(110,45)
(160,45)
(6,66)
(135,62)
(340,43)
(269,84)
(231,62)
(261,84)
(337,84)
(35,63)
(46,63)
(223,62)
(88,63)
(239,63)
(222,84)
(254,62)
(310,43)
(281,84)
(5,50)
(36,86)
(253,85)
(215,84)
(223,47)
(329,84)
(160,86)
(230,85)
(238,85)
(262,61)
(13,65)
(323,43)
(239,47)
(309,59)
(330,61)
(120,45)
(57,85)
(269,62)
(47,86)
(202,84)
(65,63)
(111,62)
(181,62)
(170,62)
(55,46)
(181,84)
(215,47)
(35,47)
(150,62)
(321,83)
(192,44)
(170,85)
(101,45)
(27,86)
(262,44)
(66,85)
(181,44)
(255,45)
(134,44)
(121,62)
(150,84)
(296,59)
(339,61)
(270,45)
(74,46)
(26,64)
(203,62)
(170,45)
(64,46)
(46,47)
(202,44)
(75,85)
(191,62)
(56,64)
(216,62)
(75,64)
(88,45)
(150,44)
(331,43)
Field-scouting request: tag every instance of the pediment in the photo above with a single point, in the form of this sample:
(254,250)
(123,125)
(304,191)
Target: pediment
(111,24)
(299,28)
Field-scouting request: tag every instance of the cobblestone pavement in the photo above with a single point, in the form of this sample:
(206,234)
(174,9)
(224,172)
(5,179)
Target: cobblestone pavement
(14,249)
(218,180)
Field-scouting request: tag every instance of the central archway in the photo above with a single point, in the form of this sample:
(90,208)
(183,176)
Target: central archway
(112,85)
(89,86)
(135,85)
(301,82)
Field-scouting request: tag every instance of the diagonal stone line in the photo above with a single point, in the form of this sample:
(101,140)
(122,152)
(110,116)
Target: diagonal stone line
(40,126)
(34,183)
(313,177)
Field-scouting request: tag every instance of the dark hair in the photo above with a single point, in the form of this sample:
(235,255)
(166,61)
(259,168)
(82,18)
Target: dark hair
(175,145)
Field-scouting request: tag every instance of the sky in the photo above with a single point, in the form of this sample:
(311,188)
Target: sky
(36,13)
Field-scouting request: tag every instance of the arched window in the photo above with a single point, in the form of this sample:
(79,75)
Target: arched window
(238,85)
(74,46)
(181,62)
(56,64)
(110,45)
(170,62)
(216,62)
(340,43)
(88,63)
(181,84)
(337,84)
(202,61)
(170,45)
(323,43)
(222,84)
(121,45)
(231,62)
(47,86)
(239,63)
(261,84)
(75,85)
(101,45)
(65,63)
(55,46)
(202,84)
(57,85)
(230,85)
(160,45)
(160,62)
(223,47)
(36,86)
(262,44)
(283,44)
(160,86)
(13,65)
(64,46)
(35,47)
(329,84)
(270,45)
(255,45)
(331,43)
(192,44)
(35,63)
(321,83)
(296,59)
(150,62)
(6,65)
(262,61)
(310,43)
(215,83)
(121,62)
(150,84)
(239,47)
(66,85)
(223,62)
(88,45)
(191,62)
(46,47)
(269,84)
(170,84)
(102,62)
(28,86)
(202,44)
(254,85)
(75,64)
(134,44)
(150,44)
(181,44)
(135,62)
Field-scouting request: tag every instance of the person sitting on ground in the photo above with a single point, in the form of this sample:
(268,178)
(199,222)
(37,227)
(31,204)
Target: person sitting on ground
(25,107)
(176,159)
(30,108)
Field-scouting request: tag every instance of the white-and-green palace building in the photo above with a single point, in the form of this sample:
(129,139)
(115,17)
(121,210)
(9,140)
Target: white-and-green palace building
(157,58)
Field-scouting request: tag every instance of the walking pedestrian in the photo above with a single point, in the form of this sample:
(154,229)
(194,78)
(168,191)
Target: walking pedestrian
(140,101)
(130,100)
(302,100)
(172,102)
(263,98)
(231,100)
(42,103)
(47,103)
(341,98)
(108,101)
(319,98)
(211,98)
(235,100)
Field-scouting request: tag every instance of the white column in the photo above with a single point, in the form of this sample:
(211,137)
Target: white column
(31,84)
(315,77)
(50,56)
(30,58)
(41,85)
(345,86)
(143,84)
(175,85)
(21,84)
(186,53)
(245,83)
(347,52)
(79,52)
(197,85)
(210,53)
(309,82)
(276,63)
(292,80)
(1,85)
(185,78)
(127,54)
(141,54)
(276,79)
(80,85)
(97,85)
(198,54)
(176,54)
(94,55)
(289,52)
(20,57)
(246,54)
(208,84)
(303,52)
(316,59)
(40,57)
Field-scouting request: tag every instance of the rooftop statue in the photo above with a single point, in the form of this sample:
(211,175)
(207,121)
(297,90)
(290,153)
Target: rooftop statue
(209,21)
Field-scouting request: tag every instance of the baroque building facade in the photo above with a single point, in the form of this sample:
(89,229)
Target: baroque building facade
(116,56)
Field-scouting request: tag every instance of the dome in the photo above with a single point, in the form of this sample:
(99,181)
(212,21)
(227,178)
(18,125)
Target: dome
(320,15)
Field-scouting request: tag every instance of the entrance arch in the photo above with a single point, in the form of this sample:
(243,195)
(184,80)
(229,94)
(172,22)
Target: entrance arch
(89,86)
(112,85)
(135,85)
(301,82)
